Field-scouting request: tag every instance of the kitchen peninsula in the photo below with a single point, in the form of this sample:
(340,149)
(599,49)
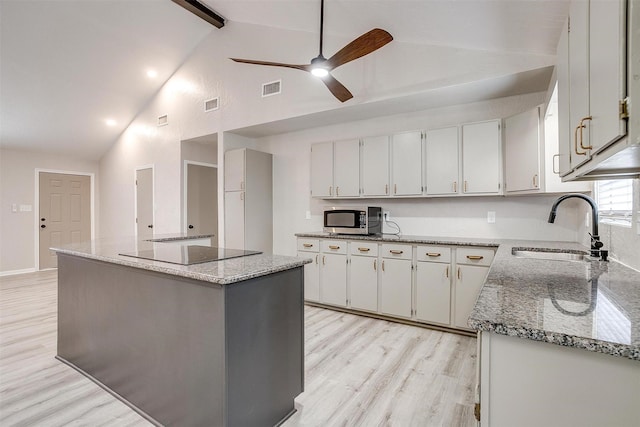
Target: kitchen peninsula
(213,343)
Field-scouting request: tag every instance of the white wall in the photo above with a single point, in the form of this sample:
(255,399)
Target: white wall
(18,186)
(517,217)
(624,242)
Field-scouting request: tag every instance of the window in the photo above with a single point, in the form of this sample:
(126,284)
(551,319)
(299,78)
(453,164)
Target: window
(615,201)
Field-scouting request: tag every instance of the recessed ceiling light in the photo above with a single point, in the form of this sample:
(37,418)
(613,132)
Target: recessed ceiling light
(152,74)
(111,122)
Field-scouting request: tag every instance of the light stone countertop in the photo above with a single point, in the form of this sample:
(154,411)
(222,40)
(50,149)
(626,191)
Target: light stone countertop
(217,272)
(590,304)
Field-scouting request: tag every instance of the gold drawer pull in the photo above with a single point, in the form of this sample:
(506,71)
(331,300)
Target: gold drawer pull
(396,252)
(433,254)
(307,245)
(334,247)
(364,249)
(474,257)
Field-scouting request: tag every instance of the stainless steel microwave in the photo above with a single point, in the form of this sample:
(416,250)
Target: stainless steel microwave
(365,220)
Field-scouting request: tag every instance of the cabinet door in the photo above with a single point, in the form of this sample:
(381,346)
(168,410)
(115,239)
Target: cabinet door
(607,71)
(433,292)
(522,146)
(333,279)
(406,154)
(375,166)
(579,80)
(311,276)
(442,170)
(564,120)
(363,283)
(322,169)
(234,170)
(481,158)
(347,168)
(469,281)
(234,219)
(395,287)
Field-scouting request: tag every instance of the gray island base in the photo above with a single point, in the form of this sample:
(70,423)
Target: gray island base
(184,352)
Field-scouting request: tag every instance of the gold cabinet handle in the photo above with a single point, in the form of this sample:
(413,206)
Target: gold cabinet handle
(242,185)
(575,142)
(334,247)
(375,266)
(323,260)
(396,252)
(386,189)
(337,191)
(583,126)
(459,274)
(455,186)
(553,164)
(474,257)
(535,180)
(330,190)
(433,254)
(316,259)
(395,188)
(446,272)
(465,186)
(241,196)
(364,249)
(382,265)
(307,245)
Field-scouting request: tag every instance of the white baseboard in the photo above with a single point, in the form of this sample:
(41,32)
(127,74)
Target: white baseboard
(14,272)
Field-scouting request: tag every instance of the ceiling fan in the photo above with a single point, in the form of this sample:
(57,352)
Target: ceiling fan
(321,66)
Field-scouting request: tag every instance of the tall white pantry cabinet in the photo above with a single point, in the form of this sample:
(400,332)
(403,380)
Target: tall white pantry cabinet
(248,205)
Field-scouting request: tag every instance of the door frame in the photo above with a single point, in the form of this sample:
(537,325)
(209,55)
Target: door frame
(36,208)
(185,181)
(135,197)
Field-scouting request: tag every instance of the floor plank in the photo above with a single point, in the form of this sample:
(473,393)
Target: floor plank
(358,371)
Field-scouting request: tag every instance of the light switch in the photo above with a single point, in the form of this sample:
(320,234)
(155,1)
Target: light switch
(307,215)
(25,208)
(491,217)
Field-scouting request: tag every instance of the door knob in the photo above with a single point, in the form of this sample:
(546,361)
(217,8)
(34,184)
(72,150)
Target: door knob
(150,225)
(43,226)
(190,226)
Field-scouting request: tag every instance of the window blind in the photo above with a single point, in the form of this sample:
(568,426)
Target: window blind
(615,200)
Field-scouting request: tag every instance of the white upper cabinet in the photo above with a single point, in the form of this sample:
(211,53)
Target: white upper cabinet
(481,158)
(406,168)
(322,169)
(234,170)
(522,151)
(564,119)
(346,168)
(375,166)
(443,156)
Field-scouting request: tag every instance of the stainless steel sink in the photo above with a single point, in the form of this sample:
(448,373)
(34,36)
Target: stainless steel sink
(550,254)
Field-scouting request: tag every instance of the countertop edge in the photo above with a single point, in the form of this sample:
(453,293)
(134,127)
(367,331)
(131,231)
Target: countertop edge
(391,238)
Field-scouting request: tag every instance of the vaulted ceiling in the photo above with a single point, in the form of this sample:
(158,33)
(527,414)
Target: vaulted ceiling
(68,66)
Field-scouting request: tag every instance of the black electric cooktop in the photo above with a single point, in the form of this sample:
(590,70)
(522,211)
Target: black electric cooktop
(187,255)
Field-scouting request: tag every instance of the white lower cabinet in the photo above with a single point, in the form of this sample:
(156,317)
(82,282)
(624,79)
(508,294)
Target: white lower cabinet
(363,276)
(311,276)
(433,285)
(333,274)
(395,280)
(469,281)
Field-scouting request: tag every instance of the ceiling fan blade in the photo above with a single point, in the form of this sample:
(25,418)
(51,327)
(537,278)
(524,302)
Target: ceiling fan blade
(272,64)
(337,89)
(363,45)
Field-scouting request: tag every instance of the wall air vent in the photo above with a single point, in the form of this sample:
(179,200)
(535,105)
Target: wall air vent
(271,88)
(211,104)
(163,120)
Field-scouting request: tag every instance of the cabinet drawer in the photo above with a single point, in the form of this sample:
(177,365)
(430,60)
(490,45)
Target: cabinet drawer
(363,248)
(334,246)
(396,251)
(433,253)
(474,256)
(309,245)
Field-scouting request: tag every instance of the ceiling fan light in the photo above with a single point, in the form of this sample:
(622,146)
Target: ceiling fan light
(319,72)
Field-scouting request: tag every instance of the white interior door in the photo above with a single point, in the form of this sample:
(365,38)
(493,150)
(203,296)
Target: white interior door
(65,213)
(144,203)
(202,200)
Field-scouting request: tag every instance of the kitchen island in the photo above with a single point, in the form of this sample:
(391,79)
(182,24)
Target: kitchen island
(214,343)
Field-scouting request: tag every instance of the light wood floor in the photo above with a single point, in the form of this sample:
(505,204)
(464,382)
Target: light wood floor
(359,371)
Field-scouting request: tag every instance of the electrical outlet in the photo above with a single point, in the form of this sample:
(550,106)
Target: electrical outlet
(491,217)
(307,215)
(386,215)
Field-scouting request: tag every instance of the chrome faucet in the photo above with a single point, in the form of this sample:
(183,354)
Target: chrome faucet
(596,244)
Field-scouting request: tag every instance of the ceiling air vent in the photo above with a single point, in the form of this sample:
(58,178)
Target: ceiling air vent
(211,104)
(271,88)
(163,120)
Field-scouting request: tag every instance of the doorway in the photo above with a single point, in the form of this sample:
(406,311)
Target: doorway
(144,202)
(201,199)
(64,213)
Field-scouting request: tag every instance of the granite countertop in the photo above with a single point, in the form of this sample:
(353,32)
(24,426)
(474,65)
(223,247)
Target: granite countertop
(589,304)
(218,272)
